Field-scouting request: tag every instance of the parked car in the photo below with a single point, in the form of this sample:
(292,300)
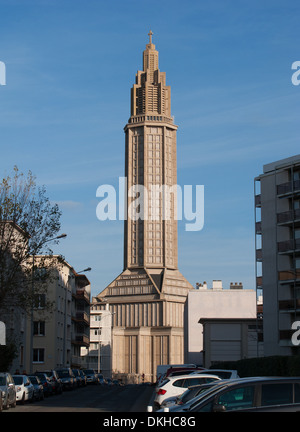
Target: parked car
(47,384)
(261,394)
(24,388)
(83,377)
(56,381)
(101,379)
(67,378)
(78,378)
(175,386)
(38,390)
(178,370)
(91,376)
(188,395)
(8,390)
(222,373)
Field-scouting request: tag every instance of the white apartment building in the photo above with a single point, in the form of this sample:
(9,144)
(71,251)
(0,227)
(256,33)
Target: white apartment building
(98,355)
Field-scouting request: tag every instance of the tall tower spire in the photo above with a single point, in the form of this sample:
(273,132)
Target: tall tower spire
(147,298)
(150,93)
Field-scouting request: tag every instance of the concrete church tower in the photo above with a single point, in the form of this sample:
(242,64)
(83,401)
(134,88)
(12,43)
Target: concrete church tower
(147,299)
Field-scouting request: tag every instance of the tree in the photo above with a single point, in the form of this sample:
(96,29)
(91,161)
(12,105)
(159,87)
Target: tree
(28,221)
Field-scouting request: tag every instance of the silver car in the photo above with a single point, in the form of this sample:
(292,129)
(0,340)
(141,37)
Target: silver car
(8,390)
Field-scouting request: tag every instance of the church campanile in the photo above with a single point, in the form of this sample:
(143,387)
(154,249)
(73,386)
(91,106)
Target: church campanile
(147,299)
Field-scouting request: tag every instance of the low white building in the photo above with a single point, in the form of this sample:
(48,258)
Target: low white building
(214,303)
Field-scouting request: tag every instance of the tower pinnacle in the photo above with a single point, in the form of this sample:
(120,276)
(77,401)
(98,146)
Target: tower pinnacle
(150,36)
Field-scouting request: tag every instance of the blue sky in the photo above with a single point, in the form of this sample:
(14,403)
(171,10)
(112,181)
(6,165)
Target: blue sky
(70,65)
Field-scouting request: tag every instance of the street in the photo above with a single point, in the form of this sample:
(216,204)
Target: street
(93,398)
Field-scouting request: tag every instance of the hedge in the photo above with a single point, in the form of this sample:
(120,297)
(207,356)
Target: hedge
(263,366)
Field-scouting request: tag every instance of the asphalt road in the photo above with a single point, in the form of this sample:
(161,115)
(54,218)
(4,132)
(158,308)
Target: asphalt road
(93,398)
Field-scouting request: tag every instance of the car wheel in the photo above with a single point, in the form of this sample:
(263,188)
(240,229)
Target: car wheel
(13,405)
(23,399)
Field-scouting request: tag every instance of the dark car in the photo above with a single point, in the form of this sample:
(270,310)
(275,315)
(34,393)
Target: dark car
(56,381)
(261,394)
(83,377)
(47,384)
(7,390)
(91,376)
(67,378)
(38,392)
(78,377)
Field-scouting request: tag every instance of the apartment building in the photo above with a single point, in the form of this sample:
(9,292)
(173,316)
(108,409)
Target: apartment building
(55,337)
(98,355)
(277,234)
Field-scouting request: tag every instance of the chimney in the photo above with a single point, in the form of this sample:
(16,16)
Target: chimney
(217,285)
(236,285)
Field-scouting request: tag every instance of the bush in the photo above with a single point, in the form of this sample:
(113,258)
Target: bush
(264,366)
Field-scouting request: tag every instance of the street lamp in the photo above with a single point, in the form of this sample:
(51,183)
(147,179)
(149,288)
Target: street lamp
(32,293)
(85,270)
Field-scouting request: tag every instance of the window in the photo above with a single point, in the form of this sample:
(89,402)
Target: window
(274,394)
(40,301)
(38,355)
(39,328)
(179,383)
(238,398)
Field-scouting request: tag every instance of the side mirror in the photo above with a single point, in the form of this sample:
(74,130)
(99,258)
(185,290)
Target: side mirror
(219,408)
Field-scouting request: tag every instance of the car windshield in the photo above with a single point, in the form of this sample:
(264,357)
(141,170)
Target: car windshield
(18,380)
(2,381)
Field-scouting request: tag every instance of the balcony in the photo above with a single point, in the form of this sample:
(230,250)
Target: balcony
(259,282)
(81,339)
(81,316)
(289,275)
(286,334)
(81,294)
(258,201)
(259,255)
(288,217)
(288,188)
(258,227)
(289,305)
(288,246)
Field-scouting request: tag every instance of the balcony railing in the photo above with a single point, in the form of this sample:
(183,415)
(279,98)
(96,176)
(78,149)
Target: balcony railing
(82,294)
(288,188)
(259,255)
(286,334)
(258,227)
(291,304)
(81,316)
(259,281)
(81,339)
(289,275)
(288,245)
(288,216)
